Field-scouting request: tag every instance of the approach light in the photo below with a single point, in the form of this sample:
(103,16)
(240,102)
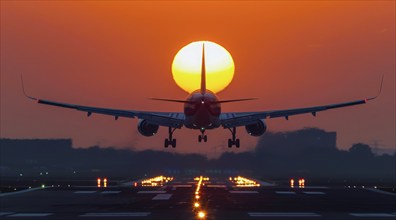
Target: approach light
(201,214)
(105,182)
(99,181)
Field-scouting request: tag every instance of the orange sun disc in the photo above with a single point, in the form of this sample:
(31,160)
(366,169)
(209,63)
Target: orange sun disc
(186,67)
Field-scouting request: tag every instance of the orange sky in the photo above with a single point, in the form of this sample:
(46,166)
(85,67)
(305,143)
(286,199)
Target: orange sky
(117,54)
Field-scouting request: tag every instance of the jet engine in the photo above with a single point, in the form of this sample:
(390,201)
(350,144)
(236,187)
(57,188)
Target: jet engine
(147,129)
(257,128)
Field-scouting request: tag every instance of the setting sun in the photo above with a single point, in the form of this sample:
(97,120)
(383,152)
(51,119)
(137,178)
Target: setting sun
(186,66)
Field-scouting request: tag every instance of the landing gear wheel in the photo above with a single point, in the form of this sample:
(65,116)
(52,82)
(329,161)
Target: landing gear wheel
(230,143)
(202,136)
(234,140)
(237,143)
(174,143)
(166,143)
(170,140)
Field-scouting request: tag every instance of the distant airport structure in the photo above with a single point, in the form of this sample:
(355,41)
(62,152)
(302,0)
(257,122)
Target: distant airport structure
(307,152)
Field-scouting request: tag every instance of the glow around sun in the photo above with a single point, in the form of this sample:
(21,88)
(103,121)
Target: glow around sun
(186,67)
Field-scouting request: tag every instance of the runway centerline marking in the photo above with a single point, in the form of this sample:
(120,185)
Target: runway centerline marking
(316,187)
(19,192)
(313,193)
(84,192)
(116,214)
(216,186)
(30,215)
(283,214)
(151,191)
(285,192)
(162,197)
(183,186)
(243,192)
(110,192)
(372,215)
(380,191)
(6,213)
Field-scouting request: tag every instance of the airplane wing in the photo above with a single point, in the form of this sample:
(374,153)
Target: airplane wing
(166,119)
(235,119)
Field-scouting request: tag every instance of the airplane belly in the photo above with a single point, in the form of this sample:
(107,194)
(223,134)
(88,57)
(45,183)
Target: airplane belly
(199,121)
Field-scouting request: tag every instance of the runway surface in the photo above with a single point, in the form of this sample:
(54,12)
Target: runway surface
(219,199)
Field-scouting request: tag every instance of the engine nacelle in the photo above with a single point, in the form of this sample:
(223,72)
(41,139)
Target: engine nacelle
(257,128)
(147,129)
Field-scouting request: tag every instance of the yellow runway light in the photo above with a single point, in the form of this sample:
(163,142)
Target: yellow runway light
(244,182)
(201,214)
(156,181)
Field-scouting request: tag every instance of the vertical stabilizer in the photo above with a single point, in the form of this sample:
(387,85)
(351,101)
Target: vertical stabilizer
(203,71)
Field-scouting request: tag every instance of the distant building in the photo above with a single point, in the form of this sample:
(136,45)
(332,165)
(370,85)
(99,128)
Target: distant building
(34,151)
(33,156)
(296,141)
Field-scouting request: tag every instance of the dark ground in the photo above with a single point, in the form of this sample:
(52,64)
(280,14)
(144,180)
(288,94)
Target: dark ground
(219,199)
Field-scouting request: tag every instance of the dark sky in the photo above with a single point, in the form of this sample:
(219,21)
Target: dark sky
(116,54)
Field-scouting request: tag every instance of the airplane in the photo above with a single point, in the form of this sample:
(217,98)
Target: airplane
(202,111)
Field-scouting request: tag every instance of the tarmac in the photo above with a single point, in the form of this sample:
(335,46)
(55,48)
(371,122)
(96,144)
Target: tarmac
(218,199)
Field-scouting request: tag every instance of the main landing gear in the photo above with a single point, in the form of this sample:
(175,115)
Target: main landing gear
(170,140)
(234,141)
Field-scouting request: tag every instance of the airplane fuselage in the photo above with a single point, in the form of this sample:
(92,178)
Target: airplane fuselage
(202,111)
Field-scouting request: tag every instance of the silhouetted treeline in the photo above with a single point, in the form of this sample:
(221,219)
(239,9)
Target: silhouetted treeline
(309,153)
(313,153)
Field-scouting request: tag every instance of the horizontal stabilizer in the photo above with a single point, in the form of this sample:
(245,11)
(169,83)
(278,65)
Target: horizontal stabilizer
(172,100)
(192,102)
(235,100)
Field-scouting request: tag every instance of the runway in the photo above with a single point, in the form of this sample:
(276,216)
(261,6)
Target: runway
(219,199)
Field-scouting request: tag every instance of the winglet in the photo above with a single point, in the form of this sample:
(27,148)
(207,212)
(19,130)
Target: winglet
(379,92)
(23,90)
(203,71)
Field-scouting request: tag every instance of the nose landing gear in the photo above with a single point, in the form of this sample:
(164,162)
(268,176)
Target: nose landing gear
(234,141)
(202,136)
